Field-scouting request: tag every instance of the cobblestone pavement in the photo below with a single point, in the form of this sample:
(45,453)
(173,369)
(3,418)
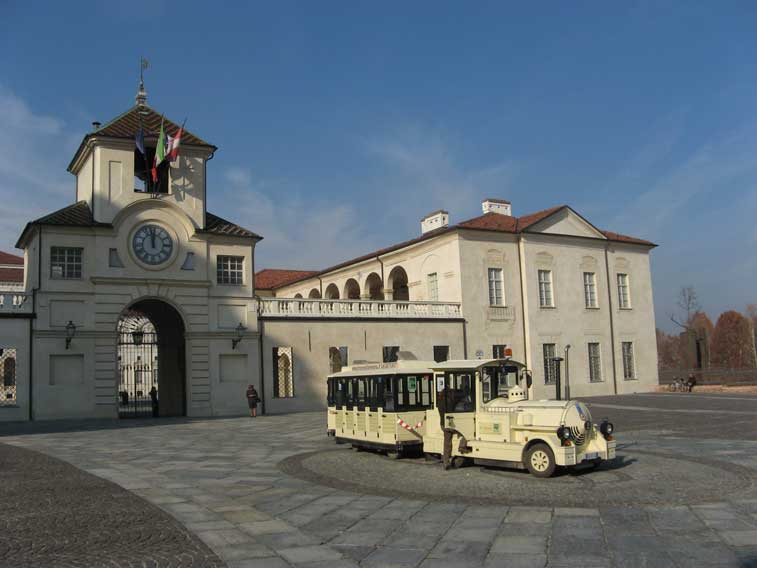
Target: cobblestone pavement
(54,514)
(247,489)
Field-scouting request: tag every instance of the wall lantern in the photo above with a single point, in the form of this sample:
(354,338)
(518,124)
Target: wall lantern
(137,336)
(240,329)
(70,332)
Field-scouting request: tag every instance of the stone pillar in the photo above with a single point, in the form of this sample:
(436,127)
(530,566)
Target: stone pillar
(388,294)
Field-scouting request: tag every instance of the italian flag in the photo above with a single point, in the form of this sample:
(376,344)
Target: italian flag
(172,149)
(160,153)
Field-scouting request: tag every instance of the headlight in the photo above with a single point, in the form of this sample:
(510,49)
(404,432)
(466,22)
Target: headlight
(563,433)
(606,428)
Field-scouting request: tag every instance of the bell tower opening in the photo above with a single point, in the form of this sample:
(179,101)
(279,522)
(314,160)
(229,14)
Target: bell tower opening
(151,361)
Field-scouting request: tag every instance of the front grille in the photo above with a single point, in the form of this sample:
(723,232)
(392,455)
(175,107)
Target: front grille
(578,436)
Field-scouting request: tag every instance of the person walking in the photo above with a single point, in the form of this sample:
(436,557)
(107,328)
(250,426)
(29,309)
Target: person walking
(252,400)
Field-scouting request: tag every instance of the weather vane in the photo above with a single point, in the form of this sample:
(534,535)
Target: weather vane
(142,94)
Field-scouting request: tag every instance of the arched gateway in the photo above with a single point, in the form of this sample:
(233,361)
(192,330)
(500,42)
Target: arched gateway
(151,361)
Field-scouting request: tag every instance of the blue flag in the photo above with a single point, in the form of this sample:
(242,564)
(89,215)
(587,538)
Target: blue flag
(140,139)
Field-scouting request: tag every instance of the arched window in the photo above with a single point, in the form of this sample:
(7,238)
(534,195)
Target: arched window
(332,292)
(351,290)
(298,295)
(314,293)
(398,284)
(374,286)
(283,379)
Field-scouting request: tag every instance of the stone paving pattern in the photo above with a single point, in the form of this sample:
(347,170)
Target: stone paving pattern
(222,479)
(54,514)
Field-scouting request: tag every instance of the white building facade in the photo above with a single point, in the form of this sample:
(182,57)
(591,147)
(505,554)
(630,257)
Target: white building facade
(548,285)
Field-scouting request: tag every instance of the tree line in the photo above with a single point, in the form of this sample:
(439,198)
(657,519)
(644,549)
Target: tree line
(730,343)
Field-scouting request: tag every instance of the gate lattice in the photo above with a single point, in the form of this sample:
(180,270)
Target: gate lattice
(137,367)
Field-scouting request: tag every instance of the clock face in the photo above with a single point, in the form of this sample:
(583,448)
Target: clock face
(152,244)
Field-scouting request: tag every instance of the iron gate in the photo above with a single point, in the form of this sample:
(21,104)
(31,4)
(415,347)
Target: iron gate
(137,367)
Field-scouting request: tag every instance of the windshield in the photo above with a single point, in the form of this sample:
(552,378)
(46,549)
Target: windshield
(497,381)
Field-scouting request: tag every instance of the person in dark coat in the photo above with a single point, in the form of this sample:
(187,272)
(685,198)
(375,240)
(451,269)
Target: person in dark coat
(252,400)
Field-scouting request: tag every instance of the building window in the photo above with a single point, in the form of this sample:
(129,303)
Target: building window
(441,353)
(546,299)
(498,351)
(590,289)
(7,377)
(391,353)
(595,363)
(433,287)
(496,295)
(65,262)
(230,269)
(338,358)
(629,370)
(549,353)
(283,375)
(624,292)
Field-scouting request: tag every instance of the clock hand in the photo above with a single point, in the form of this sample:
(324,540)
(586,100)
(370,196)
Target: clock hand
(152,237)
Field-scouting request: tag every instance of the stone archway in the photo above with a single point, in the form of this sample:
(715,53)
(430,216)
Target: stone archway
(151,360)
(398,284)
(351,290)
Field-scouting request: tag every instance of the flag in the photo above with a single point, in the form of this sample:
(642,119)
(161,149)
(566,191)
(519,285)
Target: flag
(172,150)
(160,153)
(140,140)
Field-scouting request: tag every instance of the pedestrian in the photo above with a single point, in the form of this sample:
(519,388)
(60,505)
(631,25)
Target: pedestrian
(154,399)
(252,400)
(691,382)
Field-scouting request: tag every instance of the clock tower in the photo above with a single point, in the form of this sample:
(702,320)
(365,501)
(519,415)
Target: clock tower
(143,299)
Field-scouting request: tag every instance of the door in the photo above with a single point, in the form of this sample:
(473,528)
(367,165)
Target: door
(459,402)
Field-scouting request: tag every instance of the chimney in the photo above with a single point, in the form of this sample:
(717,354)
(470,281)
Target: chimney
(95,125)
(501,206)
(435,220)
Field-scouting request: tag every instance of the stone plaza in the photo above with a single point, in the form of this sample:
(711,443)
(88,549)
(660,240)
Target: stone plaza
(275,491)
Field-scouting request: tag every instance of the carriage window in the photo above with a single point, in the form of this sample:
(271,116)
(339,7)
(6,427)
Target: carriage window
(330,392)
(413,392)
(340,396)
(460,392)
(389,390)
(361,393)
(496,381)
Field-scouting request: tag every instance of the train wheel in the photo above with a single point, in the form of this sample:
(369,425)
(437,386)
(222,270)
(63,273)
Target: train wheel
(458,462)
(540,461)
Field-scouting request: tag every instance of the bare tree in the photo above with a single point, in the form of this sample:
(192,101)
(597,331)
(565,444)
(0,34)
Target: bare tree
(688,304)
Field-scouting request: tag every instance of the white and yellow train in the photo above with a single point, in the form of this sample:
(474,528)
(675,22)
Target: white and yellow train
(461,411)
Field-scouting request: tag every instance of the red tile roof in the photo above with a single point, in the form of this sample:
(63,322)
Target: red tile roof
(12,275)
(126,125)
(626,239)
(7,258)
(271,278)
(486,222)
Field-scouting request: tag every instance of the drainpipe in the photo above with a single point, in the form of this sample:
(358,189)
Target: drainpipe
(320,286)
(524,302)
(612,324)
(383,282)
(567,372)
(31,323)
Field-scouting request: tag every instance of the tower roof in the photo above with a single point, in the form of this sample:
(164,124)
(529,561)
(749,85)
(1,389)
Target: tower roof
(127,124)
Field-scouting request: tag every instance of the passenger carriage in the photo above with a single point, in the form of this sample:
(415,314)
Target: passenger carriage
(380,406)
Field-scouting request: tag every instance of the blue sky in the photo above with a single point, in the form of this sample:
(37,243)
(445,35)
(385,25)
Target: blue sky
(341,123)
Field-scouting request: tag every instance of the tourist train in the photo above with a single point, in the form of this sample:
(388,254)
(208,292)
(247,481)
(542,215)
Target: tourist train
(462,411)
